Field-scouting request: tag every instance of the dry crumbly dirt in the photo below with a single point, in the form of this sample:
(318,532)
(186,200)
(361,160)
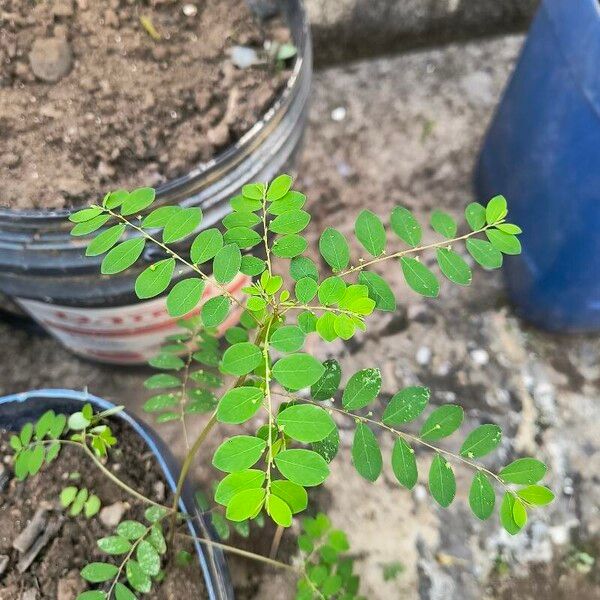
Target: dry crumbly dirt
(58,564)
(115,107)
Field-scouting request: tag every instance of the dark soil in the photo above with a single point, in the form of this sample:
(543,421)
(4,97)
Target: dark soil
(90,101)
(55,572)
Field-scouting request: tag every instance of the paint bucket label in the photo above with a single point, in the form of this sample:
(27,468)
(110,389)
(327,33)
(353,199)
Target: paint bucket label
(123,334)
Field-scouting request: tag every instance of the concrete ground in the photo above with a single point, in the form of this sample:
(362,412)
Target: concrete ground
(407,130)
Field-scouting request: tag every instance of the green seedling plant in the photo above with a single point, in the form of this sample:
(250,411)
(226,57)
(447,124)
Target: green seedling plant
(259,375)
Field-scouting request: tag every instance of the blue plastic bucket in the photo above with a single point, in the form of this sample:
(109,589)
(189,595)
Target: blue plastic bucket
(542,151)
(18,409)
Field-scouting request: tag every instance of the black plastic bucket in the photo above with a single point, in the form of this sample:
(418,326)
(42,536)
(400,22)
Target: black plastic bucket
(44,270)
(18,409)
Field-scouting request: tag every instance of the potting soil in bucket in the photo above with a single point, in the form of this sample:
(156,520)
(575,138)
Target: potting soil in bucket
(45,270)
(48,562)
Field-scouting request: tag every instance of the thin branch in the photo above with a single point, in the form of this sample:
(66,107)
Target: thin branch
(402,253)
(244,553)
(402,434)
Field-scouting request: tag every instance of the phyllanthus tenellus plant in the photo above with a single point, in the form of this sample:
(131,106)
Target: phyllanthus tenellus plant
(260,371)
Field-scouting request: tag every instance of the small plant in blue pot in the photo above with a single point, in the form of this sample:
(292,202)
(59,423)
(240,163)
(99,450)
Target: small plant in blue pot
(287,402)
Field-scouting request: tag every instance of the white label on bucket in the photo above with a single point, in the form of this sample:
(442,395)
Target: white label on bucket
(123,334)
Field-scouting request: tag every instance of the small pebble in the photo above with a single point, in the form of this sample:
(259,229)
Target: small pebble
(110,516)
(50,58)
(338,114)
(480,357)
(190,10)
(159,491)
(423,356)
(3,563)
(243,56)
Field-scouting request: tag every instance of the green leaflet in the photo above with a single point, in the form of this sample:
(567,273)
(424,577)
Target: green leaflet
(484,253)
(288,338)
(98,572)
(239,404)
(475,216)
(105,241)
(442,422)
(454,267)
(481,441)
(301,266)
(443,224)
(331,290)
(305,289)
(242,237)
(238,453)
(297,371)
(366,455)
(334,249)
(404,464)
(155,279)
(85,214)
(304,467)
(87,227)
(181,224)
(206,245)
(241,359)
(496,209)
(329,446)
(279,187)
(245,504)
(136,577)
(362,388)
(234,483)
(482,497)
(306,423)
(291,201)
(138,200)
(215,311)
(241,219)
(507,515)
(507,243)
(291,493)
(121,257)
(419,277)
(293,221)
(536,495)
(526,471)
(379,290)
(279,511)
(442,483)
(406,405)
(370,232)
(289,246)
(184,297)
(328,383)
(158,218)
(405,226)
(252,266)
(226,264)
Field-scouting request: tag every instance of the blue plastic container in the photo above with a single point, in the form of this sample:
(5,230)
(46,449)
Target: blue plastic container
(542,151)
(18,409)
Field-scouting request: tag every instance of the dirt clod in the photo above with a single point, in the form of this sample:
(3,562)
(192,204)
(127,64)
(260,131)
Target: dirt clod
(50,58)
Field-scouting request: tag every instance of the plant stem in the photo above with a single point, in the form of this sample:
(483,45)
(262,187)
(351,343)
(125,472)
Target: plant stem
(402,253)
(276,541)
(406,436)
(176,256)
(240,552)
